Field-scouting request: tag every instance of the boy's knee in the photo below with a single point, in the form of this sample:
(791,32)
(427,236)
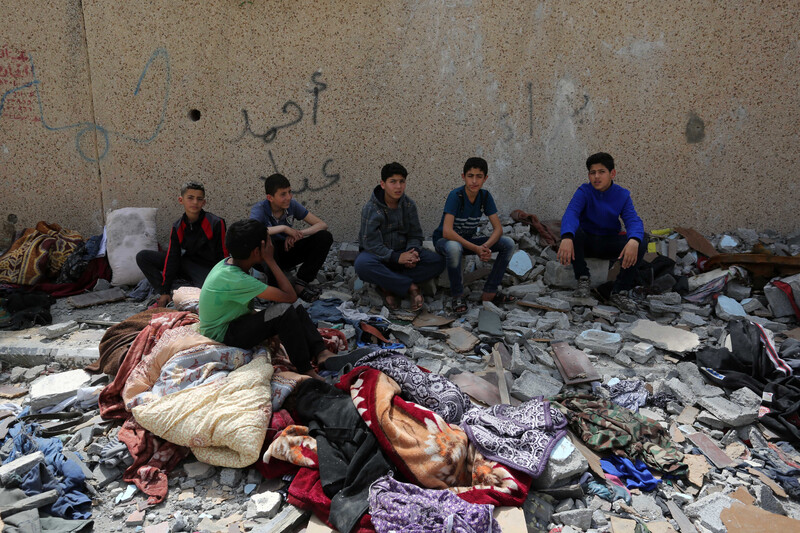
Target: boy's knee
(506,243)
(453,251)
(325,238)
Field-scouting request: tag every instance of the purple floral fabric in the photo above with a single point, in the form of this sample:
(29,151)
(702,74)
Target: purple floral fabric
(520,437)
(433,391)
(404,508)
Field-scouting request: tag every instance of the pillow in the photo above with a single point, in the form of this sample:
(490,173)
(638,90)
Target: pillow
(128,231)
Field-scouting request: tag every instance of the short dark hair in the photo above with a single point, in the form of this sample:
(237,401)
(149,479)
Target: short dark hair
(391,169)
(192,185)
(275,182)
(244,236)
(476,162)
(600,157)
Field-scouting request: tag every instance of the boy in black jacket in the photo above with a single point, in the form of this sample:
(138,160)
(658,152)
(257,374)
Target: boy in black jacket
(196,244)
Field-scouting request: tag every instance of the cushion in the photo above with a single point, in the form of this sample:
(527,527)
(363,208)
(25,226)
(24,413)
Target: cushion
(128,231)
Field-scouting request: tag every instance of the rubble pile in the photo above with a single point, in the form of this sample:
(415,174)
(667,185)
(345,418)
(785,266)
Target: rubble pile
(742,467)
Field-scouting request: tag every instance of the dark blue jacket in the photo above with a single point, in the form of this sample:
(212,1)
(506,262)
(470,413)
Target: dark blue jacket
(598,213)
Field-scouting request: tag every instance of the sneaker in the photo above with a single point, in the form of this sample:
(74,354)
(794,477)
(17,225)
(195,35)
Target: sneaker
(623,302)
(584,289)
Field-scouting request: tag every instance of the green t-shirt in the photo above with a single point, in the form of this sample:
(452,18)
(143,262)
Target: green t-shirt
(226,295)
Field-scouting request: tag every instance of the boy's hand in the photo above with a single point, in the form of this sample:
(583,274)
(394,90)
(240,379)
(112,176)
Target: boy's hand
(409,259)
(290,241)
(630,253)
(484,253)
(566,252)
(292,233)
(267,249)
(163,300)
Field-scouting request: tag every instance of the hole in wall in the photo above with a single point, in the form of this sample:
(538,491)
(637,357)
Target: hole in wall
(194,115)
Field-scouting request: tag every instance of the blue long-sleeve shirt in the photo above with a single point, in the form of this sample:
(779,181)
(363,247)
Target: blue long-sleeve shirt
(598,212)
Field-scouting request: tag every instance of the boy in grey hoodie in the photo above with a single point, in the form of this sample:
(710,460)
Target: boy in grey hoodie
(390,241)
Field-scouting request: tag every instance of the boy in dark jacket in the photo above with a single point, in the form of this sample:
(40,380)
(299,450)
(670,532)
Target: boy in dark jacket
(196,244)
(390,241)
(590,228)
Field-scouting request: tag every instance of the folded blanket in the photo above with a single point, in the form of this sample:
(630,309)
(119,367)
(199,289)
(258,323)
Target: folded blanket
(118,339)
(427,450)
(38,254)
(223,422)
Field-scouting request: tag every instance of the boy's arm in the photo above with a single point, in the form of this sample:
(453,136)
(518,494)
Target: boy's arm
(497,230)
(315,224)
(415,235)
(284,292)
(172,263)
(450,234)
(370,237)
(219,242)
(633,223)
(571,219)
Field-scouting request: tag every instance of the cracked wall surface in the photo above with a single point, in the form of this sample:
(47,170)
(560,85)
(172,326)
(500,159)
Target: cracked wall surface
(110,104)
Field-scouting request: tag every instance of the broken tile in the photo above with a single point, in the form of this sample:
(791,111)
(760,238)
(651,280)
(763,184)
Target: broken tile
(698,468)
(489,322)
(741,518)
(599,341)
(460,339)
(426,319)
(573,365)
(665,337)
(710,450)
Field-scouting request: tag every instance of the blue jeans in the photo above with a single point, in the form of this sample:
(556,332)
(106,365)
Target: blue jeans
(605,247)
(453,251)
(396,278)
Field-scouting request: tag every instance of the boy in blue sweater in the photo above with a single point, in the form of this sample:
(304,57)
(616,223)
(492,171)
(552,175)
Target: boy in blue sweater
(590,228)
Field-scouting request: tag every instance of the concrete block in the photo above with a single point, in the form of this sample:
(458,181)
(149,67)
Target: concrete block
(727,411)
(708,510)
(520,291)
(264,505)
(230,477)
(565,462)
(532,384)
(606,312)
(779,302)
(557,275)
(641,352)
(578,518)
(728,309)
(664,337)
(668,298)
(746,399)
(554,303)
(737,291)
(405,334)
(52,389)
(198,471)
(692,319)
(599,341)
(54,331)
(19,466)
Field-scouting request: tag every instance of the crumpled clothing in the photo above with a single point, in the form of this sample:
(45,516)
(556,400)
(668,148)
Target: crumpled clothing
(57,472)
(605,426)
(141,292)
(635,475)
(354,316)
(630,394)
(397,506)
(433,391)
(326,309)
(521,437)
(334,339)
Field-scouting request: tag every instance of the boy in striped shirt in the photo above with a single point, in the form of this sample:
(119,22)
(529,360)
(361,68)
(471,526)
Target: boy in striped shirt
(455,235)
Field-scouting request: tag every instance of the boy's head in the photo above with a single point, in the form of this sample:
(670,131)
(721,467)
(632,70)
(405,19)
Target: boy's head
(393,181)
(245,236)
(601,170)
(193,197)
(476,170)
(278,190)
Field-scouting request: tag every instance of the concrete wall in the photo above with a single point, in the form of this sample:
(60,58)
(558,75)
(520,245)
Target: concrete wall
(696,101)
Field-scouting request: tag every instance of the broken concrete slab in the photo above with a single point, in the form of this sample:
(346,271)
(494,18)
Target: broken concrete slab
(489,322)
(558,275)
(477,387)
(730,413)
(89,299)
(264,505)
(708,511)
(641,352)
(779,302)
(532,384)
(667,338)
(290,517)
(405,334)
(19,466)
(54,331)
(426,319)
(520,263)
(599,341)
(728,309)
(460,339)
(565,462)
(573,365)
(52,389)
(553,304)
(578,518)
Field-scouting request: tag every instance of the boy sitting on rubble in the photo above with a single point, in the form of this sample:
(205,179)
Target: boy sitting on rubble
(226,301)
(307,247)
(590,228)
(390,242)
(455,235)
(196,244)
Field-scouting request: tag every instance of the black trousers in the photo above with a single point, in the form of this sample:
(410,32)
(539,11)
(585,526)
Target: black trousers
(309,252)
(605,247)
(294,327)
(151,263)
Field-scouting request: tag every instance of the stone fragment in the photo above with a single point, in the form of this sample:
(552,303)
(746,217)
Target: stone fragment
(710,420)
(779,302)
(198,471)
(599,341)
(136,518)
(289,518)
(520,291)
(532,384)
(664,337)
(668,298)
(691,376)
(105,475)
(264,505)
(728,309)
(553,303)
(745,398)
(52,389)
(751,304)
(706,277)
(727,411)
(641,352)
(692,319)
(557,275)
(34,372)
(339,295)
(520,263)
(57,330)
(565,462)
(647,507)
(20,466)
(708,510)
(606,311)
(405,334)
(728,244)
(460,339)
(737,291)
(578,518)
(230,477)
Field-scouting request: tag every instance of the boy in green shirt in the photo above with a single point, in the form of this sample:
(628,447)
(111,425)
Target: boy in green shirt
(226,301)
